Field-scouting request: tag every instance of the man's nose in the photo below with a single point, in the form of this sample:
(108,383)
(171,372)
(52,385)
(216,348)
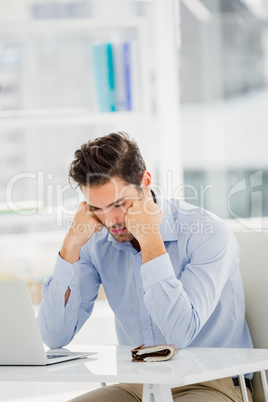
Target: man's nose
(114,216)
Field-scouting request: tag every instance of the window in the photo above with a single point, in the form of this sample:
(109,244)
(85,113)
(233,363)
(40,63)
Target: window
(224,97)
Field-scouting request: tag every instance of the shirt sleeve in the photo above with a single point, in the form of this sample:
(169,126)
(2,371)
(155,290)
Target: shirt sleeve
(181,306)
(59,323)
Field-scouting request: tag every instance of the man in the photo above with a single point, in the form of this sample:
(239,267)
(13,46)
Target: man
(170,270)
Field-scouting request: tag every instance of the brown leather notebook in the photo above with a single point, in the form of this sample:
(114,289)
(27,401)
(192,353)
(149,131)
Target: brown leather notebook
(154,353)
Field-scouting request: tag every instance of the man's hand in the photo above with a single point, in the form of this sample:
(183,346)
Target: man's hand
(83,227)
(143,220)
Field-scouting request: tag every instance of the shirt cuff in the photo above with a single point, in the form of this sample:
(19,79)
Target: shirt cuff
(64,272)
(157,270)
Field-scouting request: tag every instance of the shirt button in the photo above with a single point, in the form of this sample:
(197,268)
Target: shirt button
(68,274)
(142,292)
(139,257)
(147,325)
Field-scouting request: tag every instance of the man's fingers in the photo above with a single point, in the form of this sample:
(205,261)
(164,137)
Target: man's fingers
(144,204)
(81,205)
(99,228)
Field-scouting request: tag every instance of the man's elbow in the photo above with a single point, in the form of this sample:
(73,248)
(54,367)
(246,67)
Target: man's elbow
(51,338)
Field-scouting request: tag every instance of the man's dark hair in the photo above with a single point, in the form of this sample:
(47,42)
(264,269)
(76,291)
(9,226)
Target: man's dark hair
(113,155)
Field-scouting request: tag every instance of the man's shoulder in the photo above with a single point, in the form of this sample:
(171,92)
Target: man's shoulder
(192,220)
(184,211)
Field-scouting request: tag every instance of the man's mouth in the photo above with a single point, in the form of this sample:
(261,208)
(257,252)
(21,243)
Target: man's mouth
(117,231)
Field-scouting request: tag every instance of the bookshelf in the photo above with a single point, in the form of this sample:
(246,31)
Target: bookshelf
(87,114)
(46,118)
(93,31)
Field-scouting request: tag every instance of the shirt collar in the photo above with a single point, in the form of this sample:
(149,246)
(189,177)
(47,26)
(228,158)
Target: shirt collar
(168,228)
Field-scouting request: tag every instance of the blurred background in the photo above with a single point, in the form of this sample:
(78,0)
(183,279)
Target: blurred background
(187,79)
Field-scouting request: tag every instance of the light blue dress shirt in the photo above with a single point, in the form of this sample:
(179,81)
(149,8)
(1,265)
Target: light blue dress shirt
(191,296)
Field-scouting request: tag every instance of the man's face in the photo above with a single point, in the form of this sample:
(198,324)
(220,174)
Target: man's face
(110,203)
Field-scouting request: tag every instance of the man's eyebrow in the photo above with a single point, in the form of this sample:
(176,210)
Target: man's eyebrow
(110,205)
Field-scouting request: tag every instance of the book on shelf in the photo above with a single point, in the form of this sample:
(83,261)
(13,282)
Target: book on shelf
(134,81)
(127,74)
(103,66)
(115,74)
(120,79)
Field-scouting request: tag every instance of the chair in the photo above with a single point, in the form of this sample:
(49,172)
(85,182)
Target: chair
(254,270)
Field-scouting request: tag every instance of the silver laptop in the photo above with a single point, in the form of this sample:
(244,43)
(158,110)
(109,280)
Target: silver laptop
(20,338)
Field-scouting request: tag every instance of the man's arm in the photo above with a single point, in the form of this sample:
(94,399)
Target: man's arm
(59,323)
(83,227)
(180,307)
(61,315)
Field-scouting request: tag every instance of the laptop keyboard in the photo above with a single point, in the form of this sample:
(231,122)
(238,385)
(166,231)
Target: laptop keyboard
(55,356)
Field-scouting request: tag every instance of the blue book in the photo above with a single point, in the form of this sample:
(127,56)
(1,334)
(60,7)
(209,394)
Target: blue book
(103,65)
(127,75)
(111,81)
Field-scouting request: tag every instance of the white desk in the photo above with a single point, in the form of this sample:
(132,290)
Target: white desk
(113,364)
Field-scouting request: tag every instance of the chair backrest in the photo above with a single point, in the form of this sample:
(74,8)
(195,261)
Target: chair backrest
(254,270)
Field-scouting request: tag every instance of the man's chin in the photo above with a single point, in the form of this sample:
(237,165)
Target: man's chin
(122,237)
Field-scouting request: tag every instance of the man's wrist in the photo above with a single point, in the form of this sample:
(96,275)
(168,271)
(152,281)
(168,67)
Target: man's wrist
(70,251)
(152,246)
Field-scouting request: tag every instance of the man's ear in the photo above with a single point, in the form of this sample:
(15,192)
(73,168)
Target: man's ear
(146,183)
